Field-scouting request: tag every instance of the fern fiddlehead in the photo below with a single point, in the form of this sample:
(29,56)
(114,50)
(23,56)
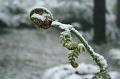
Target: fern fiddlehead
(44,19)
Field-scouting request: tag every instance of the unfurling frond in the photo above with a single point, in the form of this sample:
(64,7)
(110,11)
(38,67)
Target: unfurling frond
(41,17)
(74,48)
(44,19)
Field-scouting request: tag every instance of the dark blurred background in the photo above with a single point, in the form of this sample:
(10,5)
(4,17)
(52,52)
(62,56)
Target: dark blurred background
(26,52)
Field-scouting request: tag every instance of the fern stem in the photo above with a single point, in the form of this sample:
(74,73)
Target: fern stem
(99,60)
(85,43)
(38,18)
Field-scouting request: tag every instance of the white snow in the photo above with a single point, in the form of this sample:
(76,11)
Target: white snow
(101,60)
(114,53)
(68,72)
(61,26)
(84,71)
(74,76)
(40,17)
(87,69)
(114,75)
(66,69)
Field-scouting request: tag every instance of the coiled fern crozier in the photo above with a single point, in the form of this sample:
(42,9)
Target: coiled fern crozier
(43,18)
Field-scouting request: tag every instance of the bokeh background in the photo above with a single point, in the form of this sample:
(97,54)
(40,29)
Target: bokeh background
(26,52)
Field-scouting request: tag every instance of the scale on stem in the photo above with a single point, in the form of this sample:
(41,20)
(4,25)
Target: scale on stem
(44,19)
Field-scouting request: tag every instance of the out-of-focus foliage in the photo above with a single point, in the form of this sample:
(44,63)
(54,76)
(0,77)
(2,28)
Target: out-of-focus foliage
(15,13)
(74,11)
